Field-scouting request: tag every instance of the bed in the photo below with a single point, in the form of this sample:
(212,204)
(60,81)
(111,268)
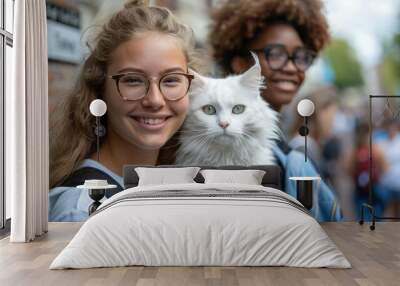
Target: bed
(201,223)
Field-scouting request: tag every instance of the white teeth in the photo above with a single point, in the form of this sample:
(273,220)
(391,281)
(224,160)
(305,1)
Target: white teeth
(286,82)
(287,85)
(151,121)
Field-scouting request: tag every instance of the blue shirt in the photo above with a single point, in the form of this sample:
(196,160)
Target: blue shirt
(71,204)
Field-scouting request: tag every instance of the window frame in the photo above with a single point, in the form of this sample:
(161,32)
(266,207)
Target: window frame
(6,39)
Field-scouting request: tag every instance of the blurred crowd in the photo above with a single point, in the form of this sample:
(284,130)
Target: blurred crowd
(339,146)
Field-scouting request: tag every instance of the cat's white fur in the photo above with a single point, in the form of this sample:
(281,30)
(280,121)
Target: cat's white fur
(249,138)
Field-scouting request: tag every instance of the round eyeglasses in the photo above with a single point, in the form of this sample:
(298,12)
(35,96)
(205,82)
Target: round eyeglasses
(277,57)
(135,86)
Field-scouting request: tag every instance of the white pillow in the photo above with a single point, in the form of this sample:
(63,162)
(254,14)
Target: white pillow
(163,176)
(248,177)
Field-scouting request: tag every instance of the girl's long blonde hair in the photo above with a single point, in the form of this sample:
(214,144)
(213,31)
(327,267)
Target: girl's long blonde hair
(72,125)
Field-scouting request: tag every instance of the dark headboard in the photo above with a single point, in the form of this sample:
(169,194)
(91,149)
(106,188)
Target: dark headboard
(272,177)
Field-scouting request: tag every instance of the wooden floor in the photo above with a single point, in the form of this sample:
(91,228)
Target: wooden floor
(374,255)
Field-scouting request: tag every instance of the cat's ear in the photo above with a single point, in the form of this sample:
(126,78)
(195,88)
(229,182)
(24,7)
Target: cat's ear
(252,77)
(198,81)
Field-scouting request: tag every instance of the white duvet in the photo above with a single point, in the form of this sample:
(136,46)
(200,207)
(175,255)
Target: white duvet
(201,224)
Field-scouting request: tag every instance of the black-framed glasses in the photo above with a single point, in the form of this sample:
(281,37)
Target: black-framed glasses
(135,86)
(277,57)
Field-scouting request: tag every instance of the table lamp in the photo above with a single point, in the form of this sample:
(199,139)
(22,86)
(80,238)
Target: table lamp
(304,185)
(97,188)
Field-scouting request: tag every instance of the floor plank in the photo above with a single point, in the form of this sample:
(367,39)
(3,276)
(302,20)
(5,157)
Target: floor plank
(374,255)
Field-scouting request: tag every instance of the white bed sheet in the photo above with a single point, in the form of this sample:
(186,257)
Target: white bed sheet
(190,231)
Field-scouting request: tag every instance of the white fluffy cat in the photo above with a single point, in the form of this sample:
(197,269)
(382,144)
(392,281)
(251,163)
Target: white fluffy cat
(228,122)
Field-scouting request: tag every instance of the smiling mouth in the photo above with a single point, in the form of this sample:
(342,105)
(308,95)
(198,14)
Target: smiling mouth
(286,85)
(151,123)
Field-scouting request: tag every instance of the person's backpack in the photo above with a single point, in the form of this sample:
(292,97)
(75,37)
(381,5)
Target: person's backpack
(86,173)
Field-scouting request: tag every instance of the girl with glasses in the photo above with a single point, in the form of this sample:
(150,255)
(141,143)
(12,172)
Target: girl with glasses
(287,36)
(138,65)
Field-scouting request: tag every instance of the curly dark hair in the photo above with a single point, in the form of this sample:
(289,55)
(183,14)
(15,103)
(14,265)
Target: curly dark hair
(237,22)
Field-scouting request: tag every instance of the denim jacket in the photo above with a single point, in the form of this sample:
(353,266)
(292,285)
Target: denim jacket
(71,204)
(327,208)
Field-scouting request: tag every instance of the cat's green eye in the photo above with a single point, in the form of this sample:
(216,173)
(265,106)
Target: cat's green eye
(239,108)
(209,109)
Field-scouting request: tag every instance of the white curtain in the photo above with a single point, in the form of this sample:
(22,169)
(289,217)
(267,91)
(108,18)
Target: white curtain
(27,148)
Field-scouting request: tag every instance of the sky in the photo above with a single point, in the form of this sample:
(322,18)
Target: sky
(366,24)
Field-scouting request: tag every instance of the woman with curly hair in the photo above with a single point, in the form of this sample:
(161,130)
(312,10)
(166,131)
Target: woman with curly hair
(138,65)
(287,36)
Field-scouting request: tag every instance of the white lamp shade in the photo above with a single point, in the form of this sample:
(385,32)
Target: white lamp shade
(305,107)
(98,107)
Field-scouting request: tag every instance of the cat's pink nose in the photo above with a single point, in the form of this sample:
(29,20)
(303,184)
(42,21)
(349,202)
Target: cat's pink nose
(223,124)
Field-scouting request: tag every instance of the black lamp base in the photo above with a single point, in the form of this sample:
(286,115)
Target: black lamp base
(305,193)
(96,195)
